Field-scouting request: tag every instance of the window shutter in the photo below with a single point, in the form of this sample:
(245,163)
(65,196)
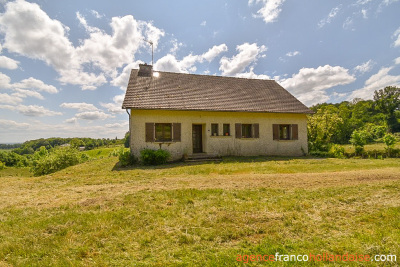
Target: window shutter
(238,130)
(275,130)
(149,131)
(176,137)
(256,130)
(295,132)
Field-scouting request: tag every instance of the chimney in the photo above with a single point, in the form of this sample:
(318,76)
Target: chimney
(145,70)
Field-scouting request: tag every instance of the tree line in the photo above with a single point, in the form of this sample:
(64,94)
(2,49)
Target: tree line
(357,122)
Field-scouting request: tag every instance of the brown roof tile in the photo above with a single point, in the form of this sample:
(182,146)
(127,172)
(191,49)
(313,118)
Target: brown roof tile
(179,91)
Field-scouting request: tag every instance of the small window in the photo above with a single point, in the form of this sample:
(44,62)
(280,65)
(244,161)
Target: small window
(214,129)
(227,129)
(246,131)
(284,132)
(163,132)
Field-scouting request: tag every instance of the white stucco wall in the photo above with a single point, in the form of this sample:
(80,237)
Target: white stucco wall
(221,145)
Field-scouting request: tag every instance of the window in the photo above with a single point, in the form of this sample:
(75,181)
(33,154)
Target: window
(285,132)
(214,129)
(247,130)
(227,129)
(163,132)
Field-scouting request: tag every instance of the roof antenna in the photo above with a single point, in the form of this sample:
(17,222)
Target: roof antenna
(152,50)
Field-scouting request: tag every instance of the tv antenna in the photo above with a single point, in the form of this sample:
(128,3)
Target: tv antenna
(152,51)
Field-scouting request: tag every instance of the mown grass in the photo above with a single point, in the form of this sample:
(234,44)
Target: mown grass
(96,214)
(369,147)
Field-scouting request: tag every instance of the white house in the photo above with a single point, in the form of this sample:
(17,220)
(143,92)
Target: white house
(188,114)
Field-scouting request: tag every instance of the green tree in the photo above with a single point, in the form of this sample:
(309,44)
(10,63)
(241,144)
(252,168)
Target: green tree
(358,140)
(387,101)
(390,141)
(321,127)
(127,139)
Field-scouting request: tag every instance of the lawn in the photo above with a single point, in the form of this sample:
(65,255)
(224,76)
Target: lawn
(199,214)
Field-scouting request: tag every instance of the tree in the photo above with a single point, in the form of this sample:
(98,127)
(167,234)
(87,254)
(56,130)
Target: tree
(390,141)
(358,140)
(387,101)
(127,139)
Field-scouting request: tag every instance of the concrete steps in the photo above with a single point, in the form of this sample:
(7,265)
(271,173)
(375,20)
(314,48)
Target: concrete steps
(198,157)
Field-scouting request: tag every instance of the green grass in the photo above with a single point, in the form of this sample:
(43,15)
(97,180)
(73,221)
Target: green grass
(96,214)
(369,147)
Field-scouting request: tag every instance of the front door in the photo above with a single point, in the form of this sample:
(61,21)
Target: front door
(197,136)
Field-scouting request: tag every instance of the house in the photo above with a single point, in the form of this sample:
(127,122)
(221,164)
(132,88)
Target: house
(188,114)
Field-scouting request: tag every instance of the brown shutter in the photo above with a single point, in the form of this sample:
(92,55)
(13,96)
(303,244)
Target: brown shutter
(295,132)
(176,132)
(275,130)
(149,131)
(238,130)
(256,130)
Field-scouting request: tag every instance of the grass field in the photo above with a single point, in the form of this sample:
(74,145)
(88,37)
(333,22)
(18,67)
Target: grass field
(96,214)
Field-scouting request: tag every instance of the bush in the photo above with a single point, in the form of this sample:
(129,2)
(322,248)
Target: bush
(154,157)
(126,158)
(58,159)
(358,140)
(337,151)
(2,165)
(12,159)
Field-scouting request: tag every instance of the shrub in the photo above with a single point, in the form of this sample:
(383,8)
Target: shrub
(358,140)
(126,158)
(58,159)
(337,151)
(390,141)
(11,159)
(2,165)
(154,157)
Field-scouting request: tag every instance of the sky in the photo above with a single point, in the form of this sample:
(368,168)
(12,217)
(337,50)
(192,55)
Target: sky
(64,65)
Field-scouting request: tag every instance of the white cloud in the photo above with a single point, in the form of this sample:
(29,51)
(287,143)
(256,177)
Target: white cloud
(375,82)
(397,61)
(396,35)
(292,54)
(117,125)
(123,78)
(247,54)
(170,63)
(93,115)
(8,63)
(31,110)
(203,23)
(25,93)
(215,51)
(252,75)
(32,83)
(365,67)
(175,46)
(79,106)
(5,81)
(364,12)
(116,106)
(10,99)
(96,14)
(309,85)
(12,125)
(29,31)
(330,16)
(270,10)
(72,120)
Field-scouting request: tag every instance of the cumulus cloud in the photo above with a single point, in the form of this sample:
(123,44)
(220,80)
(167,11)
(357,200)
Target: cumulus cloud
(32,83)
(122,79)
(309,85)
(10,99)
(251,75)
(12,125)
(116,106)
(397,61)
(375,82)
(293,54)
(22,93)
(31,110)
(247,54)
(170,63)
(93,115)
(79,106)
(8,63)
(365,67)
(29,31)
(270,10)
(332,14)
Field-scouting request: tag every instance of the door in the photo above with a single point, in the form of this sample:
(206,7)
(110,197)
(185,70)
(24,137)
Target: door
(197,137)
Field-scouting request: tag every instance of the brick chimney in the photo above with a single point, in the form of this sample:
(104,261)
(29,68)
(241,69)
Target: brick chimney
(145,70)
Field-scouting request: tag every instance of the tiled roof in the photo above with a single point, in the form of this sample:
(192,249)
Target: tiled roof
(178,91)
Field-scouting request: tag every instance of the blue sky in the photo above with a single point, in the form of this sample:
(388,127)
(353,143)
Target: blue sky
(64,65)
